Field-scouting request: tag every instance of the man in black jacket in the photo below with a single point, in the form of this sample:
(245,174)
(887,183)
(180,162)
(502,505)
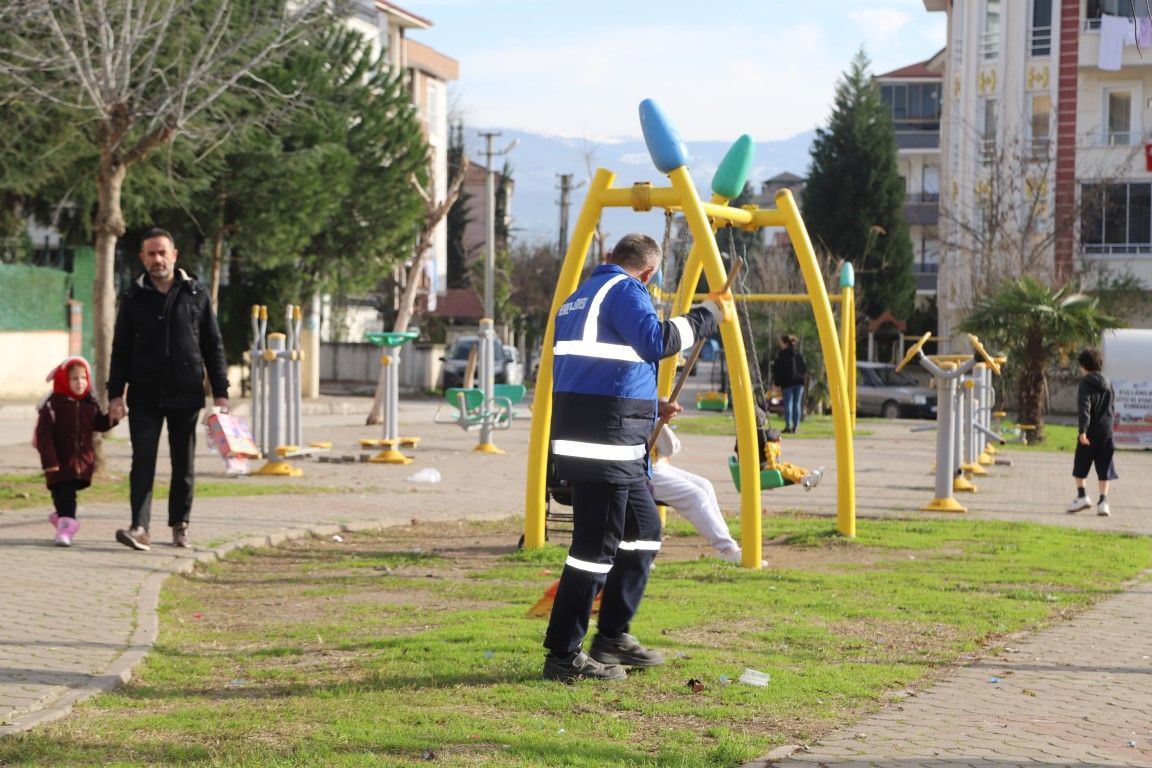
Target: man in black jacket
(1094,444)
(166,337)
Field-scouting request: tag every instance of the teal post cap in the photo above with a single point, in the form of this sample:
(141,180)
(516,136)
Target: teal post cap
(732,173)
(391,338)
(847,276)
(664,145)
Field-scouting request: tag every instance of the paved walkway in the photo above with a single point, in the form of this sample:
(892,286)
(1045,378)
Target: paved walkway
(76,621)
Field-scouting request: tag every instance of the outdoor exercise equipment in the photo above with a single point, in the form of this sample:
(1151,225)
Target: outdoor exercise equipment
(390,344)
(275,360)
(949,419)
(702,218)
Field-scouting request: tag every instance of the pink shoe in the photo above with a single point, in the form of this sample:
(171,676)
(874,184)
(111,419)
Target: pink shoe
(66,528)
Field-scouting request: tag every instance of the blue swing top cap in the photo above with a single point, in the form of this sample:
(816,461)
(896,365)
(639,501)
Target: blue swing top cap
(847,276)
(664,144)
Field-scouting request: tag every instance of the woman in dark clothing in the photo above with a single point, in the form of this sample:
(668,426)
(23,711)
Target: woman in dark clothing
(1094,445)
(788,372)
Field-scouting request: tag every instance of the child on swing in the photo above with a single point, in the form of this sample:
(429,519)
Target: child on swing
(68,418)
(769,442)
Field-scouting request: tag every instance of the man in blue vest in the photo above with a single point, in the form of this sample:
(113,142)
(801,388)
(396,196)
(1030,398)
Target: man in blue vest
(608,342)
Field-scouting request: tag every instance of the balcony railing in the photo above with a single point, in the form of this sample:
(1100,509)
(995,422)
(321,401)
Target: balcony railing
(1040,41)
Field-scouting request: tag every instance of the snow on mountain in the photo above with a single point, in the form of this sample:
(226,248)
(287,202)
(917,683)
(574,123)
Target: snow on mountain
(537,161)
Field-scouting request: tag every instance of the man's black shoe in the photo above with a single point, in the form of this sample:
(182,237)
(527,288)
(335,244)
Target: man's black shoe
(624,650)
(570,668)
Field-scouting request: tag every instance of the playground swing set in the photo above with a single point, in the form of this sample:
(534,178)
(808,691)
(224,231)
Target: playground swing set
(669,155)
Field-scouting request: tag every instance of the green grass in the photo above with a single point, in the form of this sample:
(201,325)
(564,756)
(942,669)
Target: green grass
(813,427)
(392,649)
(1058,438)
(24,491)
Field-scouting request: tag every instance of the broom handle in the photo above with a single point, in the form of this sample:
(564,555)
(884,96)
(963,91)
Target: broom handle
(693,356)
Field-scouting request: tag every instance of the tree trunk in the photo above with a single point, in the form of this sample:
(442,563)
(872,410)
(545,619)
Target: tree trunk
(109,227)
(434,213)
(217,257)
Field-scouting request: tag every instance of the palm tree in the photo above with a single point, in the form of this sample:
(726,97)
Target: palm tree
(1033,324)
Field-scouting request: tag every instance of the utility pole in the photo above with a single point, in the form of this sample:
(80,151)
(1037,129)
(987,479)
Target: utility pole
(566,189)
(487,329)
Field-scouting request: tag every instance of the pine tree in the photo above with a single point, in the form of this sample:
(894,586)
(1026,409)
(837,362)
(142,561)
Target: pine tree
(853,204)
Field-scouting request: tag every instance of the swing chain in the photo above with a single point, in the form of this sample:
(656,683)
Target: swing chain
(759,396)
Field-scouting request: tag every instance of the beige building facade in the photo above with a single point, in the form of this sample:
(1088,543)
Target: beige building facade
(1045,145)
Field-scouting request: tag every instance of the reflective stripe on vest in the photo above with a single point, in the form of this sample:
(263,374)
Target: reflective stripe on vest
(687,337)
(587,345)
(602,451)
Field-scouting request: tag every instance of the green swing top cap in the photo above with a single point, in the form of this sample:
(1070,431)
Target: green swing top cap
(728,181)
(847,276)
(390,338)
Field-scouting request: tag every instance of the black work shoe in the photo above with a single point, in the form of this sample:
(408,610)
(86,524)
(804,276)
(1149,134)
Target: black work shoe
(577,665)
(180,536)
(135,537)
(624,650)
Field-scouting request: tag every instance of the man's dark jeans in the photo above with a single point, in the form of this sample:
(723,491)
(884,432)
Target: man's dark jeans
(144,425)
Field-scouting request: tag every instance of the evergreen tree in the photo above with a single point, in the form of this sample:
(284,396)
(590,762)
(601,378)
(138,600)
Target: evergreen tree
(459,215)
(853,204)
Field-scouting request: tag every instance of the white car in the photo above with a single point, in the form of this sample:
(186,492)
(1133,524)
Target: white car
(882,391)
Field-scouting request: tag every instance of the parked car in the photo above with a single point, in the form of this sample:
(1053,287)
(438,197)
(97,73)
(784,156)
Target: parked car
(509,369)
(882,391)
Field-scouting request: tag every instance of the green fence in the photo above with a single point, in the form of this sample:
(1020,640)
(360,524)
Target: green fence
(33,298)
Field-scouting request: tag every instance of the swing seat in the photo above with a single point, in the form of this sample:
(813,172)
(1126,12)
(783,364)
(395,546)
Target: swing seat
(466,409)
(769,478)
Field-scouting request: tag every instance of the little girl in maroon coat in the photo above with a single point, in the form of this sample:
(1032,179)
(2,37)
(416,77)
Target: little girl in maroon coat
(68,418)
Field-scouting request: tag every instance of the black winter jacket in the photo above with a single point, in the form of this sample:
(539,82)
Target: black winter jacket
(1095,406)
(64,437)
(163,343)
(788,369)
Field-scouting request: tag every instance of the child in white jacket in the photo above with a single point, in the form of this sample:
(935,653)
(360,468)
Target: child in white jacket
(691,495)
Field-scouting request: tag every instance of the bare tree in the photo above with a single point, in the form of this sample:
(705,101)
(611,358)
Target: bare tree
(140,73)
(433,215)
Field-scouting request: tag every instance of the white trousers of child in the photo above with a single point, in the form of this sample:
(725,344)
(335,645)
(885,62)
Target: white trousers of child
(695,499)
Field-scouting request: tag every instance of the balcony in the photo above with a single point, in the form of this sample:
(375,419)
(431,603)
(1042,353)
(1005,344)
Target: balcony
(926,276)
(922,209)
(1089,50)
(918,139)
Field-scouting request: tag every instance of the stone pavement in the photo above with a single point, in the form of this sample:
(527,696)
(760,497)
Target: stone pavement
(76,621)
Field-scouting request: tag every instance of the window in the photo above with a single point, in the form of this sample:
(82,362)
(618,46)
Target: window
(988,131)
(930,183)
(1039,120)
(1040,33)
(432,105)
(1118,118)
(990,37)
(1116,218)
(914,106)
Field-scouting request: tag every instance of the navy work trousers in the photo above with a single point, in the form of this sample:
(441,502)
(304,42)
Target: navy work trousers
(615,536)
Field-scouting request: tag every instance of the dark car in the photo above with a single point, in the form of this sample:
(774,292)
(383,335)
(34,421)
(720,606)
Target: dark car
(506,360)
(881,390)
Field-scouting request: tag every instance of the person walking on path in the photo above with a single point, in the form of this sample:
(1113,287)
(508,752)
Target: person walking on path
(788,372)
(166,337)
(608,341)
(1094,445)
(693,496)
(65,424)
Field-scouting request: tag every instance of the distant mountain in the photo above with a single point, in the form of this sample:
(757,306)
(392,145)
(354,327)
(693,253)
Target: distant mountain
(537,161)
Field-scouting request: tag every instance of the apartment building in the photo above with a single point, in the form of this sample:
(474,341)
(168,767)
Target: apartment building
(429,71)
(912,93)
(1045,155)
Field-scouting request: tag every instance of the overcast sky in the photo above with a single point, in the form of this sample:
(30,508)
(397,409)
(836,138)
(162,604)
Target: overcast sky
(580,67)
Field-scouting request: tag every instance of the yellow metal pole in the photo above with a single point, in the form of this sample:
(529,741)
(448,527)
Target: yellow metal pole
(709,257)
(540,432)
(829,345)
